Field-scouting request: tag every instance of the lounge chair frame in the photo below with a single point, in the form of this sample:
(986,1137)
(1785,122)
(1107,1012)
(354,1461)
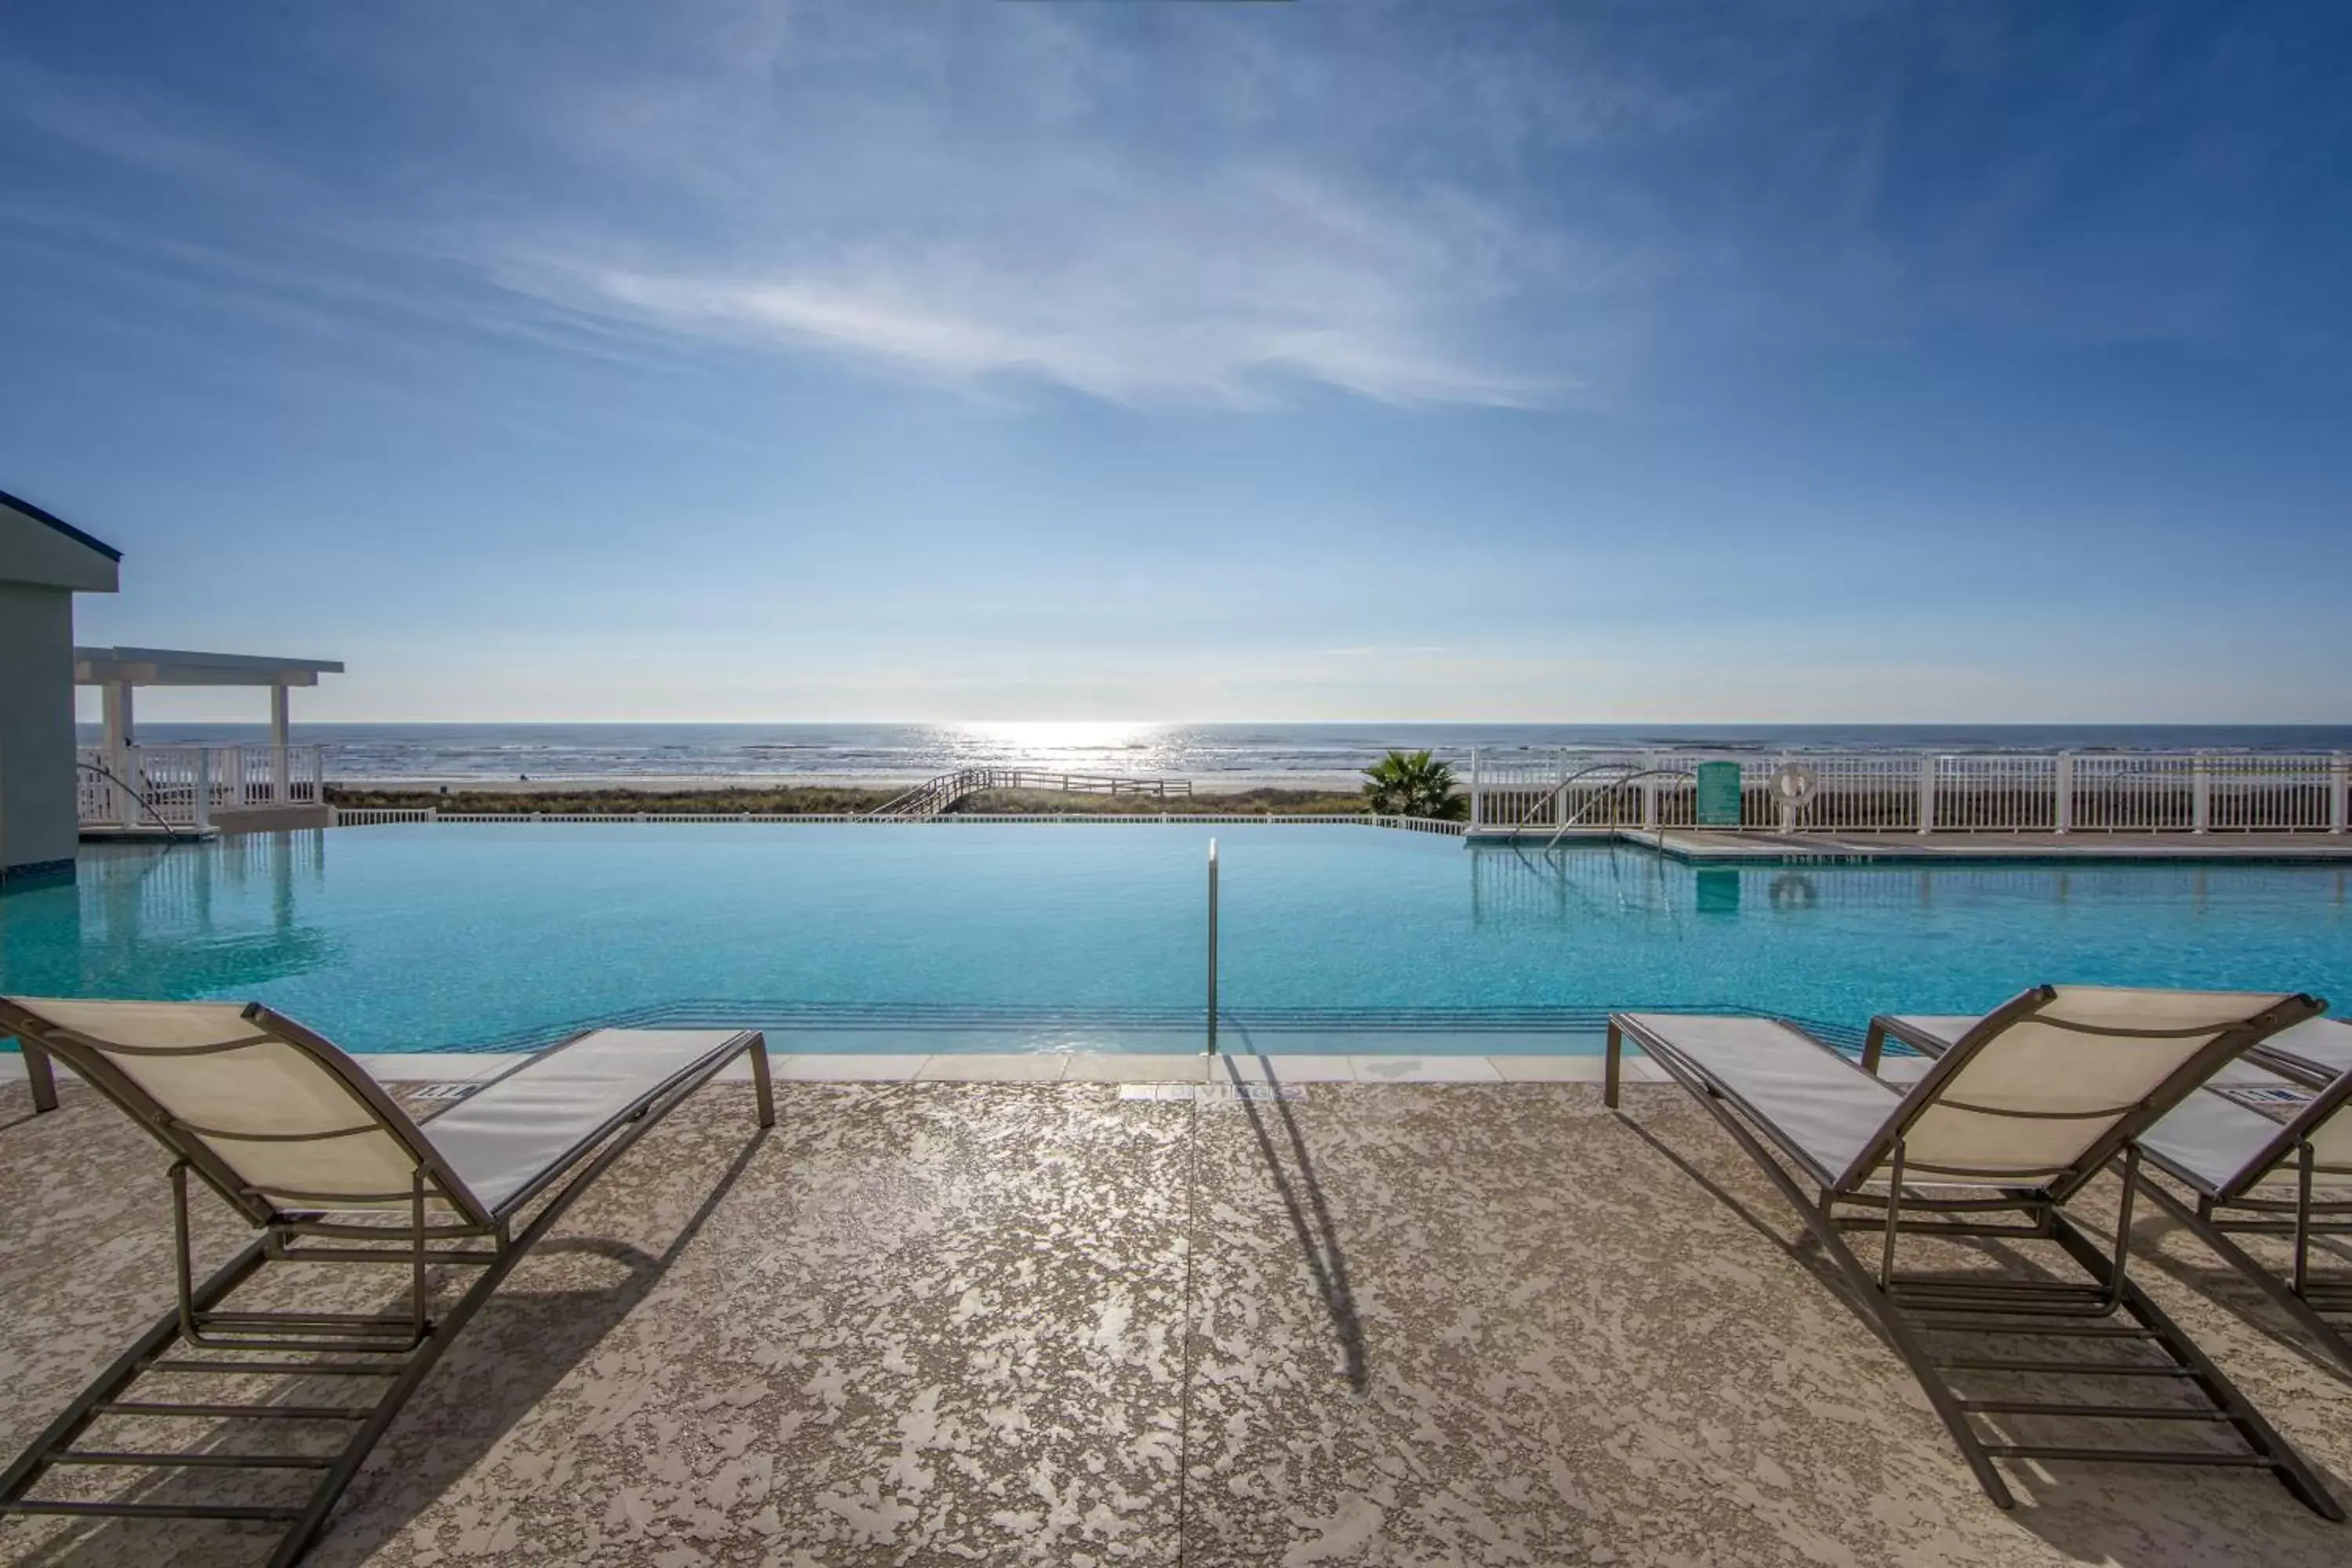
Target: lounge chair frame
(394,1351)
(39,1076)
(1910,1309)
(2215,1213)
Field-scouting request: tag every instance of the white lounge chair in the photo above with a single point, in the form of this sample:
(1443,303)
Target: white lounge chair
(296,1137)
(2028,1104)
(2311,1053)
(2245,1172)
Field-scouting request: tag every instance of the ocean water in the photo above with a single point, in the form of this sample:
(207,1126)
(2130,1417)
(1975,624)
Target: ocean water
(456,754)
(1004,937)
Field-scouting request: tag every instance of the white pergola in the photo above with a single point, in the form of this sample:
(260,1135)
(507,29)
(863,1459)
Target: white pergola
(120,671)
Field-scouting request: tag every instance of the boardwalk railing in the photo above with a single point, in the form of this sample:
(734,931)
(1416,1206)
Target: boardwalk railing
(184,786)
(2061,792)
(933,796)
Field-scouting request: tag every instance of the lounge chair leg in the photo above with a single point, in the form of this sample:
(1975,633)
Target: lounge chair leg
(759,1081)
(418,1325)
(19,1479)
(2292,1473)
(2304,1162)
(2307,1318)
(1873,1047)
(1872,1299)
(1900,1335)
(1894,1217)
(330,1491)
(1940,1397)
(1610,1070)
(41,1074)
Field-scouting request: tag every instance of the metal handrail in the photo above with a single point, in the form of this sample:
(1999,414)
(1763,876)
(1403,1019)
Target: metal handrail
(171,831)
(1602,794)
(1561,792)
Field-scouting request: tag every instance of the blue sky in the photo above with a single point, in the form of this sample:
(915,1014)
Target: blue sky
(981,360)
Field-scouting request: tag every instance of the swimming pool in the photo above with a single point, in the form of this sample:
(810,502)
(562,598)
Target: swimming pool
(1019,936)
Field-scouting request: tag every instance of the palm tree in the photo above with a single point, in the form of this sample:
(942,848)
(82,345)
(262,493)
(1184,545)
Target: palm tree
(1412,784)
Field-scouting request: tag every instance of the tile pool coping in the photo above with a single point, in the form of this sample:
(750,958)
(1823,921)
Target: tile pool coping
(1045,1067)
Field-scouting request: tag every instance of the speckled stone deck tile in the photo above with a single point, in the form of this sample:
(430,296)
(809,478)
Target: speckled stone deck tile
(1139,1067)
(1298,1067)
(1030,1067)
(928,1323)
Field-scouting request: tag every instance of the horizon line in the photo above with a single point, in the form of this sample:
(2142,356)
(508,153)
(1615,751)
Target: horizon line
(1493,723)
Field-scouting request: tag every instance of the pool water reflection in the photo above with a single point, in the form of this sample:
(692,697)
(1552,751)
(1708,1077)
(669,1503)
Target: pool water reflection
(1031,936)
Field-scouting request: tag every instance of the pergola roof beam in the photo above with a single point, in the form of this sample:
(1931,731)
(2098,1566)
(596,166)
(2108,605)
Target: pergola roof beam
(180,666)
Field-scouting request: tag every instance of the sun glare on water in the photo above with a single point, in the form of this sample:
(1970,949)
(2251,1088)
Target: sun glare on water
(1114,745)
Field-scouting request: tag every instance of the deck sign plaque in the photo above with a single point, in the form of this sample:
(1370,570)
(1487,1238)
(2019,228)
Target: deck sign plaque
(1719,794)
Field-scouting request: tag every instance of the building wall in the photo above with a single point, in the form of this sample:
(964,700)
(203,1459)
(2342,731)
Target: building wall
(38,825)
(33,552)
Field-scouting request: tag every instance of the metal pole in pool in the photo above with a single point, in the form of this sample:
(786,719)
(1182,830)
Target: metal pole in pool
(1212,947)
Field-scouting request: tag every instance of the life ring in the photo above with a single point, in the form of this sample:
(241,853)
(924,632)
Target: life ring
(1793,784)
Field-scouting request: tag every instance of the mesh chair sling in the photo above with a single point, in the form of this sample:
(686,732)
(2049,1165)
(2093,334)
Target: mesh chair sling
(300,1142)
(2225,1169)
(2032,1102)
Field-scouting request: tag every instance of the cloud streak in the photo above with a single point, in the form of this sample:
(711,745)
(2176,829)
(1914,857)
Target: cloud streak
(1238,312)
(1235,208)
(1178,212)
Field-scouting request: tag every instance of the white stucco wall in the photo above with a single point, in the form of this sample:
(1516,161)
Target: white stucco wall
(37,820)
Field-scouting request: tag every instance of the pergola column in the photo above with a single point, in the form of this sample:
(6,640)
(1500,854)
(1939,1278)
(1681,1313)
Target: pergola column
(218,780)
(116,700)
(280,713)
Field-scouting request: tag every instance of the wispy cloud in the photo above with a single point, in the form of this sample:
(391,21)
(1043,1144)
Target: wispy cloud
(977,205)
(1003,199)
(1219,207)
(168,140)
(1231,299)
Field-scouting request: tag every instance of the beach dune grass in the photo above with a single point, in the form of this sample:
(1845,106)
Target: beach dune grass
(795,801)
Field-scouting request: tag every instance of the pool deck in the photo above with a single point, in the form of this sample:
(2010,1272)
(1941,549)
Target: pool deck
(1702,848)
(933,1322)
(1047,1066)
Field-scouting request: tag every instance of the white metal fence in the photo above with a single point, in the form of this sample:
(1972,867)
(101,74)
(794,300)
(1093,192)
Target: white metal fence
(1545,793)
(185,786)
(2062,792)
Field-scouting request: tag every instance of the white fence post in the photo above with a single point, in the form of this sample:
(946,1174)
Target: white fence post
(126,793)
(2340,785)
(1649,790)
(2200,793)
(1477,799)
(199,801)
(2065,790)
(1928,793)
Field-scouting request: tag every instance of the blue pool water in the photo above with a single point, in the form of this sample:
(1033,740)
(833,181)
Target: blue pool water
(1023,936)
